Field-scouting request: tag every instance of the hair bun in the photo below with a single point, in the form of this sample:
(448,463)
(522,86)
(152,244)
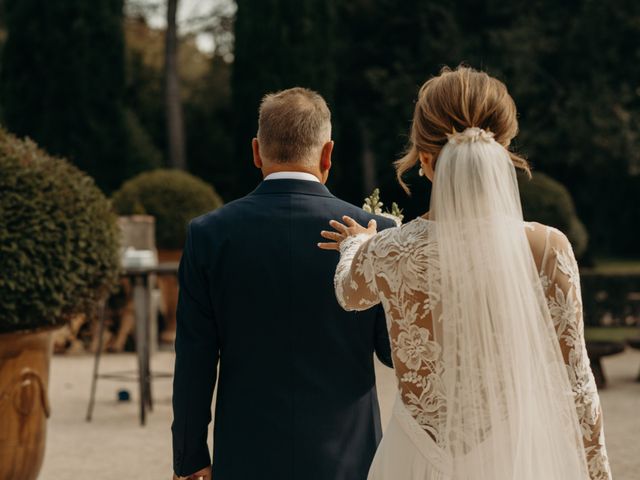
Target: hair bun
(470,135)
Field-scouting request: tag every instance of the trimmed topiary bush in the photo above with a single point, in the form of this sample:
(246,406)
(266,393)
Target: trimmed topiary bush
(173,197)
(59,251)
(547,201)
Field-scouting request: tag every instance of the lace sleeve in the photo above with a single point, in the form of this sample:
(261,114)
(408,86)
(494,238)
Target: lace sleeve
(355,280)
(562,282)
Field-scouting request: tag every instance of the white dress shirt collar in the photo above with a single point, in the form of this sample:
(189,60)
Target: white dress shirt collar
(292,176)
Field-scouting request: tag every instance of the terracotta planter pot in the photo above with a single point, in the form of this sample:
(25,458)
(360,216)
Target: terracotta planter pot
(24,402)
(168,285)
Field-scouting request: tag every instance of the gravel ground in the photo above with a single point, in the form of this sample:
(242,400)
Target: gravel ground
(115,446)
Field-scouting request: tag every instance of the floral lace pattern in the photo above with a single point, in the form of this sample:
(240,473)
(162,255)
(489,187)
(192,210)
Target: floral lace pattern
(399,268)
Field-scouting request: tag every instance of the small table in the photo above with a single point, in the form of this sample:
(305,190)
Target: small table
(141,280)
(597,350)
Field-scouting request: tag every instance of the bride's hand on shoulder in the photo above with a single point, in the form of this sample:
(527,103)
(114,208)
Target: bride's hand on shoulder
(344,230)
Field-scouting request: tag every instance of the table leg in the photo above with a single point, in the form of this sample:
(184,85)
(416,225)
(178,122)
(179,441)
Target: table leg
(96,362)
(139,299)
(147,351)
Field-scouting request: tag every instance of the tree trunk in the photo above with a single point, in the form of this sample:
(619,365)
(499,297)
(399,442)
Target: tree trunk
(173,100)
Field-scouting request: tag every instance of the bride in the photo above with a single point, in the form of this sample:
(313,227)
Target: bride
(483,309)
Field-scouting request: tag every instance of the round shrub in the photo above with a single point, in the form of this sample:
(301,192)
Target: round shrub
(59,250)
(173,197)
(547,201)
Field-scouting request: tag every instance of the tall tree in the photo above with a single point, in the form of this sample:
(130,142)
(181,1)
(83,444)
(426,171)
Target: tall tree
(2,40)
(173,99)
(576,93)
(565,63)
(206,98)
(386,50)
(278,44)
(579,105)
(2,15)
(63,80)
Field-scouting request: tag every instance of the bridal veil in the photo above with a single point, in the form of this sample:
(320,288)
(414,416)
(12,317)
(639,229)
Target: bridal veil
(506,384)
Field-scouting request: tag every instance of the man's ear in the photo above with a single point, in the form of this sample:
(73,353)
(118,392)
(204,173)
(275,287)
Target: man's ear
(257,159)
(325,156)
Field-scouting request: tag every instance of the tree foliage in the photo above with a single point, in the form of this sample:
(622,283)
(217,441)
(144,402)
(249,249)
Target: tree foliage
(547,201)
(63,84)
(206,99)
(173,197)
(571,67)
(278,44)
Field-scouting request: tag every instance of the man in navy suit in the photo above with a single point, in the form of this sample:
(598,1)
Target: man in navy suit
(257,312)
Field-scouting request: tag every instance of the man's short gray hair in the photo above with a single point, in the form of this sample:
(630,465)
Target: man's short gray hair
(293,125)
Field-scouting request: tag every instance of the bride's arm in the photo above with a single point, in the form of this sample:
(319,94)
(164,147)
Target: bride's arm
(354,280)
(565,303)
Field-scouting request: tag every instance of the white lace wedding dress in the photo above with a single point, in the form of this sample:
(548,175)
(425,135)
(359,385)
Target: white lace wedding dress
(401,268)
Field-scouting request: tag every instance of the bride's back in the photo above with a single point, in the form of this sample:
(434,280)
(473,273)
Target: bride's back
(483,309)
(404,264)
(401,268)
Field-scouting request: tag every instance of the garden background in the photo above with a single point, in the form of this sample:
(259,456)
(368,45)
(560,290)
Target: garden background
(86,81)
(156,102)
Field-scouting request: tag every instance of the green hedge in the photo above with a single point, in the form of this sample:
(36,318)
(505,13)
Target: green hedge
(58,238)
(173,197)
(547,201)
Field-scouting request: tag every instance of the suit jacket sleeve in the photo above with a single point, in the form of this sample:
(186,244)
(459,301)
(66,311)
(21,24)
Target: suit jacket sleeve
(381,340)
(197,354)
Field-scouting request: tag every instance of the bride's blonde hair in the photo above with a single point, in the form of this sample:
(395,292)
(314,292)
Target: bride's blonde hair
(452,102)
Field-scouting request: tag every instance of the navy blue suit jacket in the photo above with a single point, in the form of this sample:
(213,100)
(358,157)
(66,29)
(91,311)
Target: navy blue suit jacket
(257,312)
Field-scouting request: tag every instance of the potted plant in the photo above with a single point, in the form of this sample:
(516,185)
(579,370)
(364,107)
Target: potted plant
(58,257)
(173,197)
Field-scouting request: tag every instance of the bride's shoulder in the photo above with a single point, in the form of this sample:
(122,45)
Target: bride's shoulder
(545,239)
(419,226)
(414,230)
(536,229)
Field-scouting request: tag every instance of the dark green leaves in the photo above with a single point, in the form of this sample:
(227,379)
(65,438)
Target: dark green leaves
(173,197)
(58,238)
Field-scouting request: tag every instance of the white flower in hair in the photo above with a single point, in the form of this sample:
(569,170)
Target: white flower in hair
(471,135)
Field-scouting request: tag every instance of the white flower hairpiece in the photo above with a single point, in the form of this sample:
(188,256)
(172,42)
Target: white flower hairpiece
(471,135)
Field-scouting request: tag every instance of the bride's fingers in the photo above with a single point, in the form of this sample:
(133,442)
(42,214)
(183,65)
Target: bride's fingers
(328,246)
(350,221)
(338,226)
(331,235)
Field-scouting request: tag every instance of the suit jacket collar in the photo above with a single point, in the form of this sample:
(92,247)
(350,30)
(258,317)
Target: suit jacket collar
(303,187)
